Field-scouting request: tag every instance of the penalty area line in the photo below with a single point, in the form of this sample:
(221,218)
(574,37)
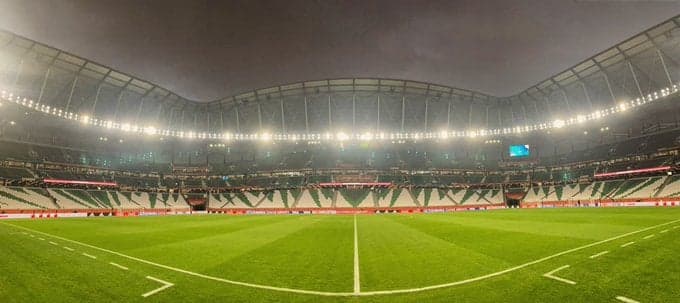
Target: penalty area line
(649,237)
(626,300)
(119,266)
(628,244)
(551,275)
(89,256)
(166,285)
(599,254)
(350,294)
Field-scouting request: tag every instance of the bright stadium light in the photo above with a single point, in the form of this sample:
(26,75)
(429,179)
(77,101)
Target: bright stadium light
(367,136)
(341,136)
(558,123)
(150,130)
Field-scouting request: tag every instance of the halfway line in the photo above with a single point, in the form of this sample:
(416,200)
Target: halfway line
(357,283)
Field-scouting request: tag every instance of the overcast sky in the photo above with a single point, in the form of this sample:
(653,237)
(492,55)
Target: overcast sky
(206,50)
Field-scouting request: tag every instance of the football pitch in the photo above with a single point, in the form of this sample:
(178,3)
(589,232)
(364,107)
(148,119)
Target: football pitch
(514,255)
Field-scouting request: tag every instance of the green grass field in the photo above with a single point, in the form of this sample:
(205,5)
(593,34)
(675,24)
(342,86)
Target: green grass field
(494,256)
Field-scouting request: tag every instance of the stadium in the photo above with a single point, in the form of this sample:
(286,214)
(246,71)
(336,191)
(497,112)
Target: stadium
(341,189)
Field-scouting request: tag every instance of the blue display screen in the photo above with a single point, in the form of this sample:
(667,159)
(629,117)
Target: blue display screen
(519,150)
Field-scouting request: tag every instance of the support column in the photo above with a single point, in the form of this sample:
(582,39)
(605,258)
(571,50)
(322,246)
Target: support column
(16,76)
(283,117)
(637,84)
(665,69)
(500,120)
(259,115)
(470,116)
(221,118)
(403,112)
(354,113)
(609,86)
(120,97)
(238,120)
(448,117)
(182,122)
(70,95)
(96,99)
(330,117)
(426,113)
(44,83)
(566,99)
(585,92)
(377,128)
(306,117)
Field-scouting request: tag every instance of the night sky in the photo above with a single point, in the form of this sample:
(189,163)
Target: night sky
(205,50)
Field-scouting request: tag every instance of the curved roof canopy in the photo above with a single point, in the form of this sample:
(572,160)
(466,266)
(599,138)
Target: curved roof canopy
(635,68)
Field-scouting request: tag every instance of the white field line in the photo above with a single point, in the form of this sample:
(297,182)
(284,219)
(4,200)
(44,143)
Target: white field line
(68,248)
(663,231)
(357,283)
(166,284)
(563,280)
(53,243)
(348,294)
(649,237)
(599,254)
(89,256)
(119,266)
(627,300)
(41,239)
(32,236)
(628,244)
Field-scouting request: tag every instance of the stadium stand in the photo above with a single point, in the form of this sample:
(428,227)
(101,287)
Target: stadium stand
(15,173)
(160,170)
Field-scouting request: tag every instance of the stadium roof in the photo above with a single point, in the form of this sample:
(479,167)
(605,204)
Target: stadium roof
(207,50)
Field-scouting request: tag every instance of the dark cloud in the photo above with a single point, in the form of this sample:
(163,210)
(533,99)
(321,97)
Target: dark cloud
(209,49)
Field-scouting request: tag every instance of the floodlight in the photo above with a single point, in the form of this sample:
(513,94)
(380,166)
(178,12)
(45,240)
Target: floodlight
(558,123)
(150,130)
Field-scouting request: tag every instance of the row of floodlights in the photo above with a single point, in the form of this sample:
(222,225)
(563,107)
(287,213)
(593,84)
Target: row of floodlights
(337,136)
